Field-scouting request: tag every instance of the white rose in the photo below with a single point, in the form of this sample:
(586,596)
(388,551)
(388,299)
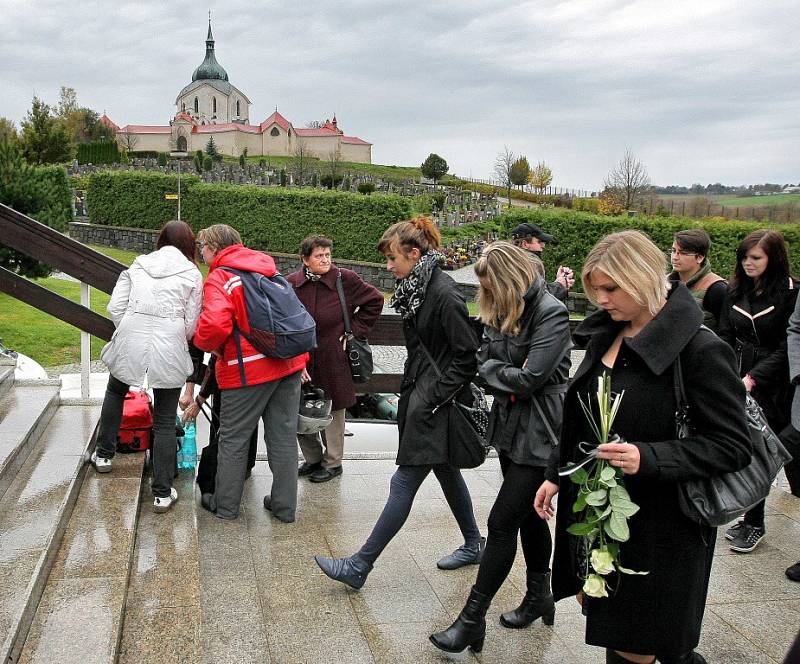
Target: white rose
(595,586)
(602,561)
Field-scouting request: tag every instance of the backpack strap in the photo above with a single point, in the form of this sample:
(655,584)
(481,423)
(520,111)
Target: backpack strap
(237,335)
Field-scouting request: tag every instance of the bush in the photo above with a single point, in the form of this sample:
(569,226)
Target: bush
(366,188)
(134,198)
(207,163)
(162,159)
(101,152)
(329,182)
(275,219)
(586,205)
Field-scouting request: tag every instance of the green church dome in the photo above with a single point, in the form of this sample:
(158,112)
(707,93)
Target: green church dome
(210,69)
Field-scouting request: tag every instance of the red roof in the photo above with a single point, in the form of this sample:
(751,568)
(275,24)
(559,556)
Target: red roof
(354,140)
(229,126)
(278,119)
(321,131)
(108,122)
(185,116)
(146,129)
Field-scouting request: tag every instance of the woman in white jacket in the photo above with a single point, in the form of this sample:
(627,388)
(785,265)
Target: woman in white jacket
(155,306)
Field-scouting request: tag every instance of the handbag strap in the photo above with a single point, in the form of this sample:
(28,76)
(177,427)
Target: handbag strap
(681,402)
(544,419)
(429,356)
(340,290)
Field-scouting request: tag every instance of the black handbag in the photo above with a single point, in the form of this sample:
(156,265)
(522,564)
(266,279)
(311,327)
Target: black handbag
(359,353)
(466,425)
(715,501)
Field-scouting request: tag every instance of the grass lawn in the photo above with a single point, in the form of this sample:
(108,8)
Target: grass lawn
(736,201)
(394,173)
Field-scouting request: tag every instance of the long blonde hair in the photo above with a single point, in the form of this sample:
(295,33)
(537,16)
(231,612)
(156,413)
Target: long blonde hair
(635,264)
(511,272)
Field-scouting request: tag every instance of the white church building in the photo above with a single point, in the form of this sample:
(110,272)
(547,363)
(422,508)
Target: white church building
(211,106)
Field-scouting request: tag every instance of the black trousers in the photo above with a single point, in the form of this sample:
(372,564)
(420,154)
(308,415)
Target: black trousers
(512,514)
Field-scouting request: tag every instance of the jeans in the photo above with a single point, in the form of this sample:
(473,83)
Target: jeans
(513,513)
(405,483)
(165,443)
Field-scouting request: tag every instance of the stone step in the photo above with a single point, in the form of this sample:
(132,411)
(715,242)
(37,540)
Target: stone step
(86,591)
(34,513)
(25,411)
(6,376)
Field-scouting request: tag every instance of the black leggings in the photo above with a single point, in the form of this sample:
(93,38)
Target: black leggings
(513,513)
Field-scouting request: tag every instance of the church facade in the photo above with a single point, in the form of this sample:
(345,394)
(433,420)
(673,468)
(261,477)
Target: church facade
(211,106)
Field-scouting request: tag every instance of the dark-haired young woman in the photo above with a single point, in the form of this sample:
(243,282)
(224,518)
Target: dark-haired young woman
(155,306)
(434,318)
(761,298)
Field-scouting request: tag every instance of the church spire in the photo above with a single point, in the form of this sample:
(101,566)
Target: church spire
(210,68)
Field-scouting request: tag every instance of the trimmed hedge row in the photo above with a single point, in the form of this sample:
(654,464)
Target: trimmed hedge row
(577,233)
(274,219)
(100,152)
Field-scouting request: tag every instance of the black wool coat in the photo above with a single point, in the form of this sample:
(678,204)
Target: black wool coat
(660,613)
(442,324)
(328,365)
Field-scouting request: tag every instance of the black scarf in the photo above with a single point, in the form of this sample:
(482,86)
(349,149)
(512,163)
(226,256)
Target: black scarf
(310,275)
(409,292)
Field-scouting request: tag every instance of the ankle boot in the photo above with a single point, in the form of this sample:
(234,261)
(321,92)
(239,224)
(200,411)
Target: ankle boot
(469,629)
(613,657)
(351,571)
(537,603)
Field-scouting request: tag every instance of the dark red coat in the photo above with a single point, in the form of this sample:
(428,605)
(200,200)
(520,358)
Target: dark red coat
(328,365)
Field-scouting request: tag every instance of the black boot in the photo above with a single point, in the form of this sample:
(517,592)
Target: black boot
(613,657)
(537,603)
(351,570)
(469,629)
(691,657)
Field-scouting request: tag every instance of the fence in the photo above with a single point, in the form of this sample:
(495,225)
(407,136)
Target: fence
(773,214)
(549,191)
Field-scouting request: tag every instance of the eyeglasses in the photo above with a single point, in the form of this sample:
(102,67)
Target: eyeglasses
(200,245)
(679,252)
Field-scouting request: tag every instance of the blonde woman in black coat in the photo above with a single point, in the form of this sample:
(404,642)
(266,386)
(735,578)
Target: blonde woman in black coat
(524,362)
(644,324)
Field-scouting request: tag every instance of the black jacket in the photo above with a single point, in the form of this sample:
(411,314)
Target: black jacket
(661,612)
(516,427)
(442,324)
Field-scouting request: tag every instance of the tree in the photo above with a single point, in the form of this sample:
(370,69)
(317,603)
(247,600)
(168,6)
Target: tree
(314,124)
(502,169)
(333,166)
(44,140)
(128,141)
(541,177)
(301,162)
(8,131)
(627,182)
(520,171)
(211,148)
(434,167)
(67,102)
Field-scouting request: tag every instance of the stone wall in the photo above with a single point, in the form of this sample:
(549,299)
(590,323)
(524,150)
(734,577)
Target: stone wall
(140,240)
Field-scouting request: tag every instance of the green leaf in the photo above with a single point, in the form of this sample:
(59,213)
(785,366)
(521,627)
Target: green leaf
(580,503)
(579,476)
(616,527)
(625,507)
(597,498)
(625,570)
(618,493)
(608,473)
(582,529)
(609,483)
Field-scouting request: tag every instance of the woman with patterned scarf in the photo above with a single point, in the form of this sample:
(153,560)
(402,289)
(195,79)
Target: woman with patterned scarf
(434,319)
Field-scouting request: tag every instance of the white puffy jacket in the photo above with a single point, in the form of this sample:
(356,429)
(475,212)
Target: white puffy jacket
(155,306)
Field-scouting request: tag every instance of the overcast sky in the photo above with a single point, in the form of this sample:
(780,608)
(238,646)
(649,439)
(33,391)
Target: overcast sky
(700,90)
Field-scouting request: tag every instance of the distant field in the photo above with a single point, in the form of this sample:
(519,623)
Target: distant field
(736,201)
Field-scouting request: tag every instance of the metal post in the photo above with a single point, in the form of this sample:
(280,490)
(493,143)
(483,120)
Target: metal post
(86,346)
(179,189)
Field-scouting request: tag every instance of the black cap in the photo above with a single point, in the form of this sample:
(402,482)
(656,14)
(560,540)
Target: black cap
(532,230)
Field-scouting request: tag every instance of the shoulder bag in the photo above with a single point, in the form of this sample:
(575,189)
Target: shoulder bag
(715,501)
(359,353)
(466,424)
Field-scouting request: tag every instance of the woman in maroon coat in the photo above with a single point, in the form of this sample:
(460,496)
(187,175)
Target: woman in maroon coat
(328,368)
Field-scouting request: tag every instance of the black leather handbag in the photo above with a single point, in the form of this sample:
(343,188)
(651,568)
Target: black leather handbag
(715,501)
(359,353)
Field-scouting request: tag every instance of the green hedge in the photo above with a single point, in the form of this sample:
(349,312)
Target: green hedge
(277,219)
(274,219)
(101,152)
(577,233)
(135,199)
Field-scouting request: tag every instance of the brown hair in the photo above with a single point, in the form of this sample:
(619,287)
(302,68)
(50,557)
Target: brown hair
(775,275)
(219,236)
(177,234)
(311,242)
(695,240)
(419,232)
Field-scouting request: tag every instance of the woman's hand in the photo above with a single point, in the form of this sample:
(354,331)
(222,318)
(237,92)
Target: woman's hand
(621,455)
(543,503)
(749,383)
(187,397)
(190,412)
(305,377)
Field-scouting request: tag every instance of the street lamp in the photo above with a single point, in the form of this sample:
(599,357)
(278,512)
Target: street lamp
(179,155)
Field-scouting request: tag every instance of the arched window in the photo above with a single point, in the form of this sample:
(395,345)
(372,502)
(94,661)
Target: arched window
(274,132)
(183,106)
(181,143)
(214,105)
(238,109)
(196,105)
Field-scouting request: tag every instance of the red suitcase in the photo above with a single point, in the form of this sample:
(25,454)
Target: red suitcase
(136,427)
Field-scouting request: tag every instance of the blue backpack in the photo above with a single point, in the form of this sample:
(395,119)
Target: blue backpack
(280,326)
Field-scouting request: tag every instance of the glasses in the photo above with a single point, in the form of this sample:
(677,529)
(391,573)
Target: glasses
(200,245)
(679,252)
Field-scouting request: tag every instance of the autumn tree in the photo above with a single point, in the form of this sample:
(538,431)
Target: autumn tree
(503,167)
(627,182)
(520,171)
(541,176)
(44,139)
(301,162)
(434,167)
(8,131)
(333,168)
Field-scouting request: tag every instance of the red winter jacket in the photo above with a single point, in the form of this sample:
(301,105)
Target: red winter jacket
(222,308)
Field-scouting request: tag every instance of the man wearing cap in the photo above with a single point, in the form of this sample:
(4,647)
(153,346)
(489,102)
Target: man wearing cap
(533,239)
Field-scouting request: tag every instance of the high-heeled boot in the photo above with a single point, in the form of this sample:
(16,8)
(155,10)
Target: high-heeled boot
(537,603)
(469,629)
(351,571)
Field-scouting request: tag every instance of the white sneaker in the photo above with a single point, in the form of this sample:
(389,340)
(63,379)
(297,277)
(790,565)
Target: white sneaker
(101,464)
(161,505)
